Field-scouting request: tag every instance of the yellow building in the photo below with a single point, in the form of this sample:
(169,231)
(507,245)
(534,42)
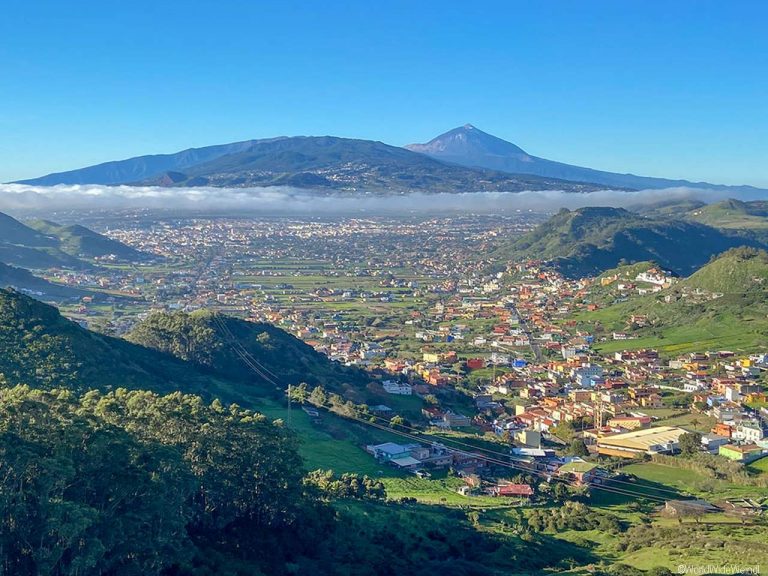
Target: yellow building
(659,440)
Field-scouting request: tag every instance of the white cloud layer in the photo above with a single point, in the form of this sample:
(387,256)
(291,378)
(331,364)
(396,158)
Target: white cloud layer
(24,198)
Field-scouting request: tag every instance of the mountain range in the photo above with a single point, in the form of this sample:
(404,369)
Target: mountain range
(322,163)
(469,146)
(464,159)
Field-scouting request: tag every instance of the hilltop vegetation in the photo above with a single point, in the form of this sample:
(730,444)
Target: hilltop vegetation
(133,483)
(588,241)
(43,349)
(218,342)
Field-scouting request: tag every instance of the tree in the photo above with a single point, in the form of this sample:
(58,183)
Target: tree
(564,430)
(399,423)
(318,397)
(299,393)
(695,423)
(690,443)
(560,492)
(431,399)
(578,448)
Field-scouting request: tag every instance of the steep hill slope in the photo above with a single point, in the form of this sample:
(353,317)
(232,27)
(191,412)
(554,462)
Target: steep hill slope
(589,241)
(468,146)
(41,348)
(218,343)
(738,271)
(319,163)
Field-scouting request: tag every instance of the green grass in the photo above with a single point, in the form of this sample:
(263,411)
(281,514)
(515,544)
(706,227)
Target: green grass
(328,445)
(690,482)
(760,466)
(698,422)
(440,489)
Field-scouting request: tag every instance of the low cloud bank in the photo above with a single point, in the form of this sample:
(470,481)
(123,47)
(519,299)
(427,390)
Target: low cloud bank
(23,198)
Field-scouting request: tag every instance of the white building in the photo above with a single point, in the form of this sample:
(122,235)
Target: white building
(749,432)
(395,387)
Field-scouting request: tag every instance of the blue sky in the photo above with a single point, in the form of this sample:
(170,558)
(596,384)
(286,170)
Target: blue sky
(659,88)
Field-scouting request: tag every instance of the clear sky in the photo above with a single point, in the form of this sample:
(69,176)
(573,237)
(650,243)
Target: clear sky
(657,87)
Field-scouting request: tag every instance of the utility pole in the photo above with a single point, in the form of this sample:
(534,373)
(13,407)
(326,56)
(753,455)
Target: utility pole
(289,406)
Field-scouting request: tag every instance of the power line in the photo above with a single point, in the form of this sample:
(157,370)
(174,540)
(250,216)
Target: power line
(254,366)
(494,452)
(517,467)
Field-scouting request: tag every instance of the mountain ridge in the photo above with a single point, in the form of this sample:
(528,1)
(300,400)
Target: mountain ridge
(588,241)
(310,162)
(470,146)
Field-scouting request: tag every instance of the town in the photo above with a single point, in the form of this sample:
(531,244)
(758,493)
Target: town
(464,350)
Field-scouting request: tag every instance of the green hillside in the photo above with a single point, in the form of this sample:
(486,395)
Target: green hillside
(722,305)
(673,208)
(41,348)
(80,241)
(740,270)
(588,241)
(216,342)
(733,214)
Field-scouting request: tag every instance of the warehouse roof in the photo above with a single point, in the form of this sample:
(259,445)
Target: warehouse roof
(643,439)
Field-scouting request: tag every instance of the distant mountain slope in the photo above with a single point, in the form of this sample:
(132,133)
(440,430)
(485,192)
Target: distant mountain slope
(673,208)
(14,232)
(37,258)
(589,241)
(80,241)
(139,168)
(320,163)
(42,244)
(733,213)
(24,280)
(468,146)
